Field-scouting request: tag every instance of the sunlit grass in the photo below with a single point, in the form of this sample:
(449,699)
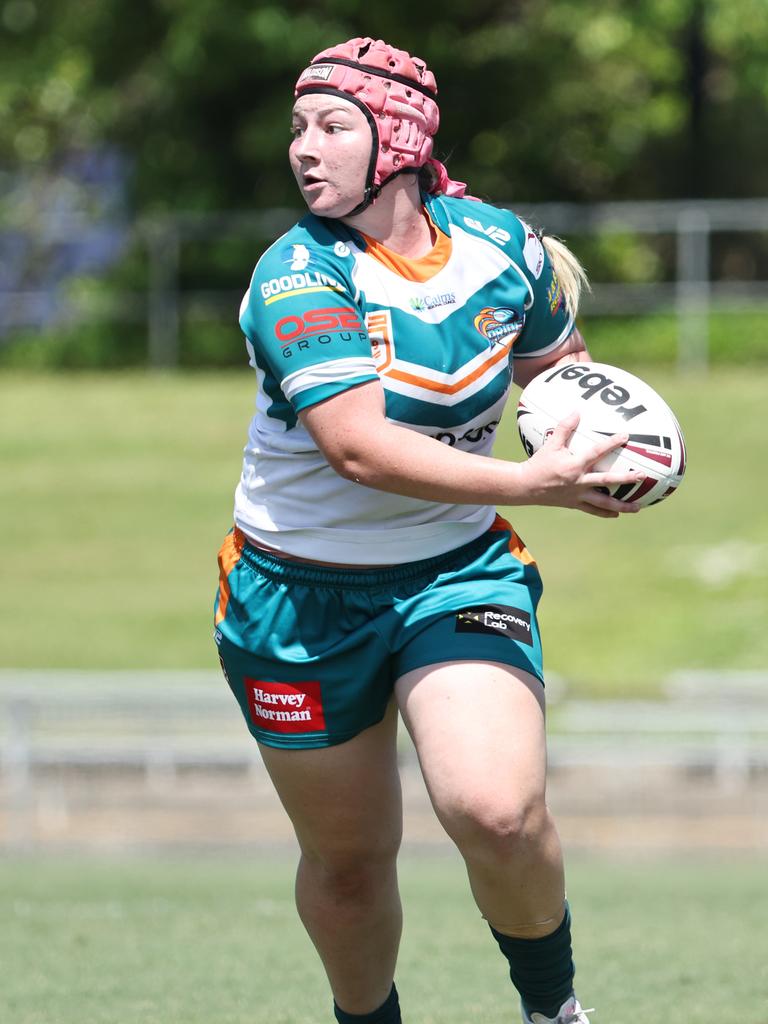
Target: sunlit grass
(190,942)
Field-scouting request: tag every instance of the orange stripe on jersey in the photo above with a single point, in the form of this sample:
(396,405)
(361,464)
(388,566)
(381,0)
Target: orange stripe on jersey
(450,389)
(421,269)
(516,546)
(229,556)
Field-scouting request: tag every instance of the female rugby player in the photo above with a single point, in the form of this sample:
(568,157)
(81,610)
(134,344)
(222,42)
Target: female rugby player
(368,573)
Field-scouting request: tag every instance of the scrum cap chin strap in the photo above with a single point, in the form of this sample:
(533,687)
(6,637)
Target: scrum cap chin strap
(371,190)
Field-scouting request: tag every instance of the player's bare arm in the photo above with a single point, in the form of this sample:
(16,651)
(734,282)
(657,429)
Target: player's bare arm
(354,435)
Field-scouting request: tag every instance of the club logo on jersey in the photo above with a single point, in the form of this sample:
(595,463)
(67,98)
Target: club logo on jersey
(554,294)
(341,249)
(286,707)
(499,323)
(422,303)
(298,256)
(498,619)
(533,251)
(322,325)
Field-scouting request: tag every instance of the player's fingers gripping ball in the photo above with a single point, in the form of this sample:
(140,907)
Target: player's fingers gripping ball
(609,401)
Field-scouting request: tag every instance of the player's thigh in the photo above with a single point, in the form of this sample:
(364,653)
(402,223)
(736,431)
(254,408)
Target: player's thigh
(345,800)
(479,731)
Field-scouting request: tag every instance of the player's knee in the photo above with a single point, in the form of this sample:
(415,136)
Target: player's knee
(499,830)
(352,879)
(352,873)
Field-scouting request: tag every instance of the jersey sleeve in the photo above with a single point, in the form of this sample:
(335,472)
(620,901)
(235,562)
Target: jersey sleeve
(305,327)
(547,321)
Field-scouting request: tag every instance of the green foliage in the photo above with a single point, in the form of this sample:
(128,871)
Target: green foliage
(540,99)
(85,346)
(624,257)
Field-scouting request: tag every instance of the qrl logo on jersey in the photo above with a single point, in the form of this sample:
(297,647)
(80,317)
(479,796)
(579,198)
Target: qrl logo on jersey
(379,324)
(316,321)
(285,707)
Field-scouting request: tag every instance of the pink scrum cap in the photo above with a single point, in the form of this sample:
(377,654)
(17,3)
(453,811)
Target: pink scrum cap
(397,93)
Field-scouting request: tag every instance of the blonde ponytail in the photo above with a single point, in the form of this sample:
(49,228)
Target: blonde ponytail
(570,273)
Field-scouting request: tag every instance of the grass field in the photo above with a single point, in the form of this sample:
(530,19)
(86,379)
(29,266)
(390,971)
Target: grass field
(117,489)
(196,942)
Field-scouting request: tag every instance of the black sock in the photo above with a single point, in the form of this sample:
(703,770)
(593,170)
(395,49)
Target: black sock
(541,969)
(387,1013)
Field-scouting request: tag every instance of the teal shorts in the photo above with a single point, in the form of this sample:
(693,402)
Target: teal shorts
(312,653)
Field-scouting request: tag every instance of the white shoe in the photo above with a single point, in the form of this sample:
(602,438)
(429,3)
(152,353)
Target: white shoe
(569,1013)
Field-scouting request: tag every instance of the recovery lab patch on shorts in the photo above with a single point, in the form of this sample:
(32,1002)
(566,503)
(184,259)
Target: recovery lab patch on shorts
(498,619)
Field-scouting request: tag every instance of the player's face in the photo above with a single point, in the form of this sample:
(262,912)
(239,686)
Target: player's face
(330,153)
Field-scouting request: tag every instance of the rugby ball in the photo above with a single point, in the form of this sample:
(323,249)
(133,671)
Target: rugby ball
(609,401)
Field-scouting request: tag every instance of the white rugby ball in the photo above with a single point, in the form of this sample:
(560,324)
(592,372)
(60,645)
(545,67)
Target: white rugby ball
(609,401)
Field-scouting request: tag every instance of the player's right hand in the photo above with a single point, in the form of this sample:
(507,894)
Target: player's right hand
(555,476)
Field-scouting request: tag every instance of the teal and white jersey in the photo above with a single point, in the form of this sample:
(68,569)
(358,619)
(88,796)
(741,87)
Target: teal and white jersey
(328,309)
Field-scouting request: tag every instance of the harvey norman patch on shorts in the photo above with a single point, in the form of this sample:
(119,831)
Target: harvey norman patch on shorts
(498,619)
(285,707)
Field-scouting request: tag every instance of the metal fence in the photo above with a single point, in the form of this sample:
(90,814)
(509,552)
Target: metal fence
(159,305)
(164,721)
(77,746)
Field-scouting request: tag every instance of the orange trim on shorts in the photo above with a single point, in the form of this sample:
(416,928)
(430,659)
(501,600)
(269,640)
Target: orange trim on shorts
(229,556)
(516,546)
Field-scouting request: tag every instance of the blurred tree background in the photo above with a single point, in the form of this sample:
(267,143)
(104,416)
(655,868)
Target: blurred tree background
(573,99)
(112,111)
